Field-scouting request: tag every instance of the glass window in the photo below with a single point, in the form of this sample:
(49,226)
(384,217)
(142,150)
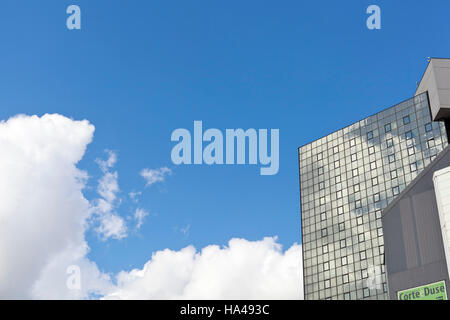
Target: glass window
(393,174)
(341,226)
(359,221)
(391,158)
(371,150)
(321,185)
(337,164)
(375,181)
(354,157)
(358,204)
(337,179)
(326,266)
(356,188)
(327,284)
(406,120)
(396,190)
(378,214)
(322,200)
(361,237)
(428,127)
(344,261)
(366,293)
(430,143)
(339,194)
(413,166)
(335,149)
(362,255)
(364,273)
(370,135)
(411,151)
(389,143)
(387,128)
(376,197)
(340,210)
(380,232)
(325,249)
(345,278)
(323,216)
(321,171)
(343,243)
(409,135)
(319,156)
(373,165)
(324,232)
(352,142)
(355,172)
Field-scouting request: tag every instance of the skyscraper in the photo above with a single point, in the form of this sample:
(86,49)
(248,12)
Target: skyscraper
(346,179)
(416,224)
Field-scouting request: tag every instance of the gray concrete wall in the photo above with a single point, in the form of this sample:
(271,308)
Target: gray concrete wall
(414,250)
(436,81)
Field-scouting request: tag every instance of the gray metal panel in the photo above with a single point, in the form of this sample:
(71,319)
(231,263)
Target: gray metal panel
(396,251)
(409,234)
(429,235)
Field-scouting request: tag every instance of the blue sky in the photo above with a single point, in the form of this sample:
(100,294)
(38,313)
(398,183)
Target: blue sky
(139,70)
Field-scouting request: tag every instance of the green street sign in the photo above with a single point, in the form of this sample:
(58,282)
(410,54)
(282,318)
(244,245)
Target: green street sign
(432,291)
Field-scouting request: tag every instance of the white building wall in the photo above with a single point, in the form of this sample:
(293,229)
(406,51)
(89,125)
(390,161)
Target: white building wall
(441,180)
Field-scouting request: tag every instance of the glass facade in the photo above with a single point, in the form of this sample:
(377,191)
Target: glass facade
(346,179)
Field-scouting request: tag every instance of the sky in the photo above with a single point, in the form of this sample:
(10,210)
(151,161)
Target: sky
(137,71)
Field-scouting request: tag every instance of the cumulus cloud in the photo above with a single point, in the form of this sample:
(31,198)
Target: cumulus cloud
(153,176)
(44,217)
(111,225)
(43,212)
(242,270)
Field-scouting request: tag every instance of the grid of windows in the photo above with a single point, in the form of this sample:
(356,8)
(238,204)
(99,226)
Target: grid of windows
(341,222)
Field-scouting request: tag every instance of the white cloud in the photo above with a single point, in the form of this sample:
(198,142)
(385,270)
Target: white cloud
(153,176)
(107,164)
(111,225)
(242,270)
(42,209)
(52,283)
(185,230)
(108,186)
(139,216)
(134,196)
(44,217)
